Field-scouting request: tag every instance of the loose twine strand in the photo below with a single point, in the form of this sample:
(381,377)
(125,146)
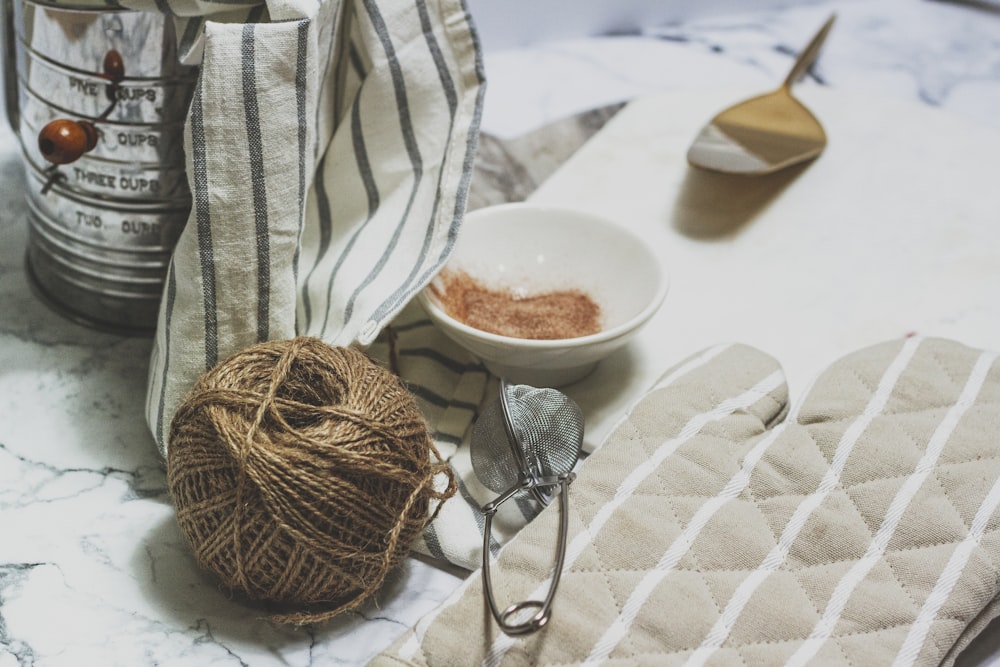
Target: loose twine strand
(302,474)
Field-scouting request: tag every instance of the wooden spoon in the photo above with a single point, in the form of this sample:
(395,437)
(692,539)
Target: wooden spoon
(766,133)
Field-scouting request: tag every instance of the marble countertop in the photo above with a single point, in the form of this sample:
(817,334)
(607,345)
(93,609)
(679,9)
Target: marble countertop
(93,569)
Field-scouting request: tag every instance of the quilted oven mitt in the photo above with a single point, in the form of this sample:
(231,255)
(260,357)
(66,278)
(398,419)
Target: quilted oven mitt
(718,526)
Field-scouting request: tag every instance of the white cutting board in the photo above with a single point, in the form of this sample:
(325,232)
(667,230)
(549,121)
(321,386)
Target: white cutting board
(893,230)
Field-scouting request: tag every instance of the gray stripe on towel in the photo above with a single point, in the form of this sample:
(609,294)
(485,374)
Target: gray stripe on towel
(462,194)
(300,106)
(170,296)
(258,185)
(206,253)
(371,191)
(409,141)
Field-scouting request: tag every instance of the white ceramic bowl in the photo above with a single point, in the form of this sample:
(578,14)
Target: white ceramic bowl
(536,249)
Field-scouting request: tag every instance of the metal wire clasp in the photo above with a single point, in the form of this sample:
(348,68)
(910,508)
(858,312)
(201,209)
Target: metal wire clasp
(540,618)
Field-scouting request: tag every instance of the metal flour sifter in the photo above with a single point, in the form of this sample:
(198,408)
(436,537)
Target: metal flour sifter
(103,220)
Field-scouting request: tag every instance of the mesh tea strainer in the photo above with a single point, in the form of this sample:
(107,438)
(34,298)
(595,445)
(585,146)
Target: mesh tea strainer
(527,441)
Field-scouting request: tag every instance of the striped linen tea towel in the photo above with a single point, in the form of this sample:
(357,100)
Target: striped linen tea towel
(718,524)
(329,147)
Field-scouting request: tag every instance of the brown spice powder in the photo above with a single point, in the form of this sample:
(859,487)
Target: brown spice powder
(546,316)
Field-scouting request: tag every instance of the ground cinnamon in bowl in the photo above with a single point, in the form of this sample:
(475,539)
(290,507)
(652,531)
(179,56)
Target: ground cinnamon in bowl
(552,315)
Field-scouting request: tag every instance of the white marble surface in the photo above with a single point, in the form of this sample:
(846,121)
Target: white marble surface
(92,567)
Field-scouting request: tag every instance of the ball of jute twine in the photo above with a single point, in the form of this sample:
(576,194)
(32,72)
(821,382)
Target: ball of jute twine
(301,474)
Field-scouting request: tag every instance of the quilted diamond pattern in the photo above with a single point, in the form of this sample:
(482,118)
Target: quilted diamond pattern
(714,528)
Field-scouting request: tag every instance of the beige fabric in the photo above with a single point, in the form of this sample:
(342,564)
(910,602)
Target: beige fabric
(712,528)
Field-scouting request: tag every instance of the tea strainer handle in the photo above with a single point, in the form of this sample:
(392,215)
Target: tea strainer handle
(541,617)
